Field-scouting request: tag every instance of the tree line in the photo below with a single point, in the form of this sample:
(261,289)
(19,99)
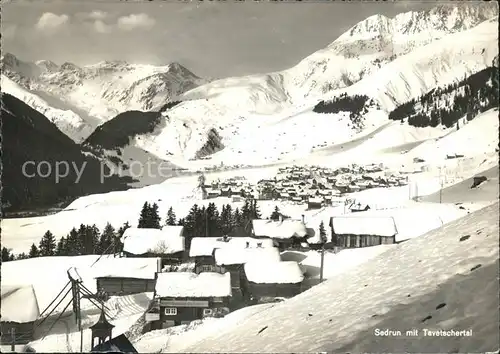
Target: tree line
(199,222)
(85,240)
(466,98)
(356,105)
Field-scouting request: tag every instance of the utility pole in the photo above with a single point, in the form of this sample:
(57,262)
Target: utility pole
(322,263)
(13,339)
(440,185)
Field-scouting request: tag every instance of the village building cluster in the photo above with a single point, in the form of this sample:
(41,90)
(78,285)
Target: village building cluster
(213,276)
(316,186)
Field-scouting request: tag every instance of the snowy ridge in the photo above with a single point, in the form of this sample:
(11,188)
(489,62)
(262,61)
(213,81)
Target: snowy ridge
(438,63)
(105,89)
(67,121)
(258,116)
(397,290)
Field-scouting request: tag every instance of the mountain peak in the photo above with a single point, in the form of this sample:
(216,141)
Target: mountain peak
(47,65)
(447,18)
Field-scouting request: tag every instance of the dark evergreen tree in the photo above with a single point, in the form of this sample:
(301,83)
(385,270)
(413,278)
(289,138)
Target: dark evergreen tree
(322,233)
(61,248)
(171,219)
(6,255)
(154,217)
(144,218)
(47,245)
(74,245)
(255,214)
(107,239)
(21,256)
(33,251)
(226,220)
(212,220)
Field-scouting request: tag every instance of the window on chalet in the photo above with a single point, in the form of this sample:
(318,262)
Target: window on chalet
(218,299)
(170,311)
(207,312)
(206,268)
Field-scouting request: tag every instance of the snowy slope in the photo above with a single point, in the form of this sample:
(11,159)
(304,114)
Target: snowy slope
(67,121)
(426,283)
(265,118)
(105,89)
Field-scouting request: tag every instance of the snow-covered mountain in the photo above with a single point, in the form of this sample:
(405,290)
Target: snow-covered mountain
(105,89)
(70,123)
(265,118)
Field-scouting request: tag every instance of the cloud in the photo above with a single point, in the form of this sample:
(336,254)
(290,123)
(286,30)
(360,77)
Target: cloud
(97,15)
(135,21)
(101,27)
(50,21)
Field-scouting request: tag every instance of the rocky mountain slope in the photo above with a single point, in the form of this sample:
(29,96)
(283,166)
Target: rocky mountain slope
(69,122)
(97,92)
(260,117)
(34,153)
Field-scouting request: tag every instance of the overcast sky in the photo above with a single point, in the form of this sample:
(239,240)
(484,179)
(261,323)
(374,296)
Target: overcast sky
(212,39)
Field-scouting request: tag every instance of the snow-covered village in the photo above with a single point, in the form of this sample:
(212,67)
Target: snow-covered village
(250,177)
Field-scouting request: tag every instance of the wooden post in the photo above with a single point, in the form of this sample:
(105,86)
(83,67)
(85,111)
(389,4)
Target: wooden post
(13,339)
(322,263)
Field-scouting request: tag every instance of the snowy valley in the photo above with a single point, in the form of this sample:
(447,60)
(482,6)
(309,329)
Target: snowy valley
(303,210)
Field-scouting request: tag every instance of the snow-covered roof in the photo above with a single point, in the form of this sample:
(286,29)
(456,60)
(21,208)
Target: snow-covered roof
(364,225)
(279,229)
(274,272)
(238,255)
(204,246)
(184,284)
(139,241)
(315,200)
(19,303)
(139,268)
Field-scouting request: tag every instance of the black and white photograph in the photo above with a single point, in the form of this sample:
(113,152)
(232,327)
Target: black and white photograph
(249,176)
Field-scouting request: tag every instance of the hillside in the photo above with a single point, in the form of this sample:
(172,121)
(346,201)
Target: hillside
(117,132)
(65,118)
(28,136)
(120,86)
(263,119)
(447,105)
(405,288)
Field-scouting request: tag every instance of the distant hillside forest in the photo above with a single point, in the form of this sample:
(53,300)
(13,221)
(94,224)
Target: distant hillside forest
(118,131)
(29,136)
(356,105)
(446,105)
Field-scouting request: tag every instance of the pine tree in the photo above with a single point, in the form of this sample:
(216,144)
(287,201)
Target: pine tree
(61,249)
(322,233)
(73,243)
(255,210)
(226,220)
(154,217)
(21,256)
(33,251)
(107,239)
(144,217)
(170,217)
(237,219)
(47,245)
(213,221)
(6,254)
